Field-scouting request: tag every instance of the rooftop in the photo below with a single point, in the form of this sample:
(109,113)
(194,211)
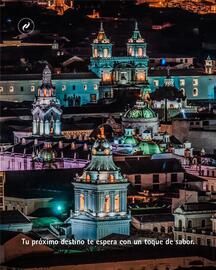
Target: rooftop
(13,217)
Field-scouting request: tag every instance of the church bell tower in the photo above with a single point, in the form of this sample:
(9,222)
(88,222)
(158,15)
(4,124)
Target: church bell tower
(46,110)
(136,45)
(100,196)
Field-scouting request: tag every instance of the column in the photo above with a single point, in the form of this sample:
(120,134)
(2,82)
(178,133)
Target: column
(86,200)
(112,201)
(41,127)
(76,200)
(34,127)
(47,127)
(93,202)
(57,127)
(123,201)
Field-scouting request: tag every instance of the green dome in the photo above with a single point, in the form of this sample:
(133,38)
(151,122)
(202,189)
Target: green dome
(129,140)
(140,111)
(149,148)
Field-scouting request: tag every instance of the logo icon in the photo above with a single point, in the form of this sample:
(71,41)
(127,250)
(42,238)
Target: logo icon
(26,26)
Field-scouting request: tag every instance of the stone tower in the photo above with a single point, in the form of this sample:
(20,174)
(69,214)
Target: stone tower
(46,110)
(100,196)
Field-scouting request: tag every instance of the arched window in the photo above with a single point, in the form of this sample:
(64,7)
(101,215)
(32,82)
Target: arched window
(82,202)
(107,204)
(203,223)
(140,52)
(170,229)
(130,51)
(195,92)
(117,208)
(189,224)
(95,53)
(106,53)
(162,229)
(155,229)
(180,224)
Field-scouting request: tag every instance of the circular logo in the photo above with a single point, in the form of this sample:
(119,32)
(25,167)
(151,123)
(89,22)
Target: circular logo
(26,26)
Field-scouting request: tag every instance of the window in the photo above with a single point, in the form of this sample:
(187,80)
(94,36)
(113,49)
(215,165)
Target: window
(208,242)
(183,91)
(85,87)
(173,177)
(195,92)
(93,98)
(95,87)
(106,53)
(82,202)
(203,223)
(140,52)
(155,229)
(195,82)
(182,82)
(179,237)
(32,88)
(11,89)
(137,179)
(63,87)
(189,224)
(74,87)
(155,178)
(180,224)
(156,83)
(117,209)
(198,241)
(162,229)
(21,88)
(189,238)
(1,89)
(107,204)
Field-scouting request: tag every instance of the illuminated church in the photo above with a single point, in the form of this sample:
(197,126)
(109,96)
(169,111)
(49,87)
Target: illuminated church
(120,73)
(46,110)
(100,196)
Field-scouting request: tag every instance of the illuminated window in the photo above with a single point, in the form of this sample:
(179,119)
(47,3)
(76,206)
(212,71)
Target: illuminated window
(1,88)
(95,86)
(82,202)
(140,52)
(195,92)
(117,208)
(11,89)
(95,53)
(106,76)
(182,82)
(93,98)
(106,53)
(85,87)
(141,76)
(32,88)
(156,83)
(130,51)
(107,204)
(195,82)
(64,87)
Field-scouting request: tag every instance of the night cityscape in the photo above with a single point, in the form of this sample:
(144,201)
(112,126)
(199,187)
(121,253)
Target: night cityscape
(107,134)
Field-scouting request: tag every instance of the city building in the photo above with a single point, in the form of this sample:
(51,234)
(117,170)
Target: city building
(196,221)
(100,197)
(2,183)
(14,220)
